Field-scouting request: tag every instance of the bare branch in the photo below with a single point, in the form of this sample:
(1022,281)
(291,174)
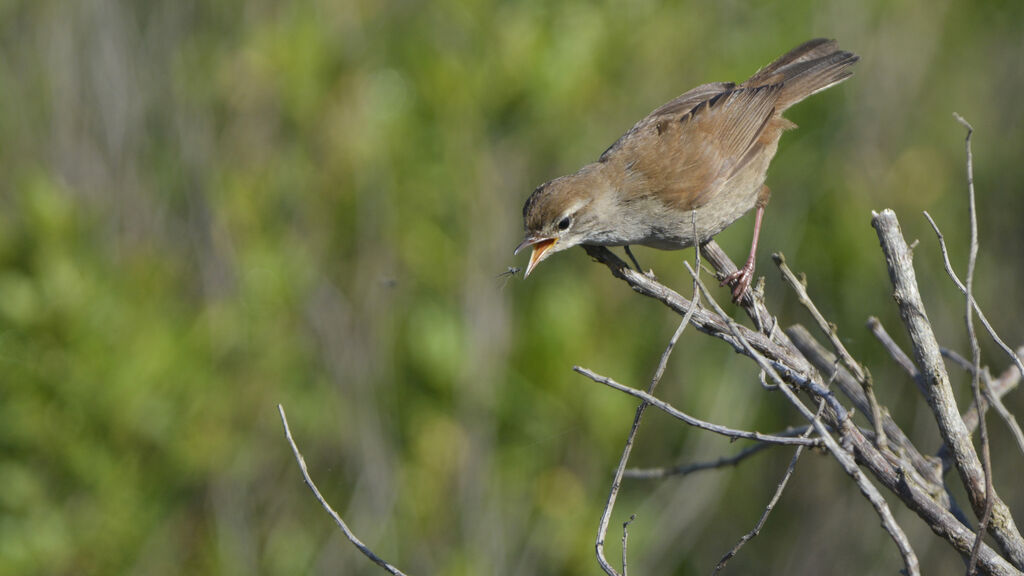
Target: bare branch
(752,301)
(1007,417)
(613,493)
(972,260)
(994,389)
(940,393)
(955,357)
(894,350)
(731,433)
(794,368)
(784,356)
(1014,357)
(844,458)
(859,372)
(771,503)
(323,502)
(686,469)
(929,472)
(625,540)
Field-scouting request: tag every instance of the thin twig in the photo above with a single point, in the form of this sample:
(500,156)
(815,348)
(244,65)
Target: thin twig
(796,370)
(723,462)
(940,393)
(323,502)
(994,390)
(972,260)
(955,357)
(771,503)
(929,472)
(681,470)
(844,458)
(1009,418)
(613,493)
(1014,356)
(731,433)
(894,350)
(625,540)
(624,459)
(774,346)
(860,373)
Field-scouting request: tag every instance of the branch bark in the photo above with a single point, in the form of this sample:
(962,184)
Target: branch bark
(928,357)
(794,368)
(323,502)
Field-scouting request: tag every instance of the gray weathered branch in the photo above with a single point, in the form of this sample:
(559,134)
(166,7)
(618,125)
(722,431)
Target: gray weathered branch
(899,260)
(794,368)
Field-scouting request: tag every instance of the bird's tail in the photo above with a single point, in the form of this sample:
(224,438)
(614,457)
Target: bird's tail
(807,69)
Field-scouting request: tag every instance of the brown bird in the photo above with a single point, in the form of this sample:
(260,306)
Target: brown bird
(702,157)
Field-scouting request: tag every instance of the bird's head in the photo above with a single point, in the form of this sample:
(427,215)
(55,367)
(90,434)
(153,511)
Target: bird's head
(561,214)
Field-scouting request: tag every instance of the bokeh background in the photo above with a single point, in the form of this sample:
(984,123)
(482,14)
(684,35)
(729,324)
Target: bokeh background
(210,208)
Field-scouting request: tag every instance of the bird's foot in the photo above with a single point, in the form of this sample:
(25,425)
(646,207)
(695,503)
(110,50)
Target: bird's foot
(740,281)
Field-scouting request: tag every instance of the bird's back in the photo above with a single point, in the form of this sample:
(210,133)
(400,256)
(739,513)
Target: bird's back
(687,151)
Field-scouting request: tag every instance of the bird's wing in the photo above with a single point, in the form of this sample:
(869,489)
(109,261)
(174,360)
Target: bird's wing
(676,107)
(684,103)
(684,153)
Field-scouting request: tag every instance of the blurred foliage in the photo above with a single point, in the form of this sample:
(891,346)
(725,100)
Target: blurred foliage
(208,208)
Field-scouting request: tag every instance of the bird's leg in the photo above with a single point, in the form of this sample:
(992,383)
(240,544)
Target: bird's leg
(633,258)
(740,279)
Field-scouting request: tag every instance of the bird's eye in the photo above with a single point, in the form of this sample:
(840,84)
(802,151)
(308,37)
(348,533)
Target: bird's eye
(563,224)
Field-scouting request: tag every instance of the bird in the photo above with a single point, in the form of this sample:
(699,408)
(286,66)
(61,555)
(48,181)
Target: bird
(687,170)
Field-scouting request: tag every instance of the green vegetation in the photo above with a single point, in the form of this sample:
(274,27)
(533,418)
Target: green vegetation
(209,208)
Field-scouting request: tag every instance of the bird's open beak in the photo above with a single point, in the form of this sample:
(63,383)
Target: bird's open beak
(541,246)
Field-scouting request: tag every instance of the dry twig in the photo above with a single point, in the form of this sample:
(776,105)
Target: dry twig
(894,350)
(940,393)
(323,502)
(994,390)
(1014,357)
(686,469)
(794,368)
(859,372)
(927,473)
(771,503)
(731,433)
(845,459)
(602,530)
(625,541)
(972,260)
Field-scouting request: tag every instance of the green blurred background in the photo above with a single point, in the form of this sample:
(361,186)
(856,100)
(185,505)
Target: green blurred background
(209,208)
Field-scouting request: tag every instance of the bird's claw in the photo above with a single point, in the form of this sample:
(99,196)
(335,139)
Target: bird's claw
(740,281)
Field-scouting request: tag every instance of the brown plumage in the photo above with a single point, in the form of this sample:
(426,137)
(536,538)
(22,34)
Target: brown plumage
(703,154)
